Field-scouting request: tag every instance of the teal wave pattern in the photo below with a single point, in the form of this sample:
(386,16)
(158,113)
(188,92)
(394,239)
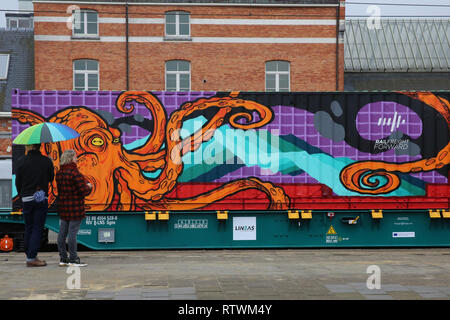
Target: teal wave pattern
(230,149)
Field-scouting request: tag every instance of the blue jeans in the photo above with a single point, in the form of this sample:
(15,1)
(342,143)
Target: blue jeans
(34,215)
(69,230)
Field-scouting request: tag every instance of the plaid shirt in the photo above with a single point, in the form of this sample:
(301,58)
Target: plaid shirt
(72,188)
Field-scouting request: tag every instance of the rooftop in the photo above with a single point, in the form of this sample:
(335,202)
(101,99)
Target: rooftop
(397,45)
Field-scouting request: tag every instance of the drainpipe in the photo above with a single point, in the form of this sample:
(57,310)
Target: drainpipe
(338,14)
(126,47)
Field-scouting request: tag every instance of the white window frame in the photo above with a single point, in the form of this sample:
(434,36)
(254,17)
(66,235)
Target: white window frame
(4,76)
(6,193)
(85,73)
(177,73)
(83,16)
(17,21)
(177,34)
(13,20)
(277,75)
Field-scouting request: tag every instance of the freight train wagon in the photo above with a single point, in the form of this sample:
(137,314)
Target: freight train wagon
(251,169)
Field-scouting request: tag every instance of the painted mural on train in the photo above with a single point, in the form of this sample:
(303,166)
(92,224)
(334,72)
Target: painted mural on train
(241,150)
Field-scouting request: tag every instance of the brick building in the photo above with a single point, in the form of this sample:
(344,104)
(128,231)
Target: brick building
(198,45)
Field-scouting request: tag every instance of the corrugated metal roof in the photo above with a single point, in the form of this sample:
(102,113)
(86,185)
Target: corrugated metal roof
(398,45)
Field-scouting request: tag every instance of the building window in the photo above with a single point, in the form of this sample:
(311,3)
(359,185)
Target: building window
(177,24)
(4,65)
(85,23)
(5,193)
(178,75)
(277,76)
(19,23)
(85,75)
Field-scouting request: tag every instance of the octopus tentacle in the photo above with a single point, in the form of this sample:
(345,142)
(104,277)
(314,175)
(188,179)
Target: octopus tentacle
(364,176)
(193,142)
(156,139)
(174,165)
(227,104)
(176,146)
(149,162)
(126,200)
(26,116)
(278,199)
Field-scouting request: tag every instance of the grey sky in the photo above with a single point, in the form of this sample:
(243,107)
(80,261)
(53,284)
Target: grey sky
(427,8)
(7,5)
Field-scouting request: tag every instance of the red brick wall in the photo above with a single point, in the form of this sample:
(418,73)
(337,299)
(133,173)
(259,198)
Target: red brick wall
(5,141)
(214,66)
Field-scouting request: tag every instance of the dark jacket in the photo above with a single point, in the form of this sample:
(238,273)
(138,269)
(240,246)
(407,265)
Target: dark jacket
(72,188)
(35,171)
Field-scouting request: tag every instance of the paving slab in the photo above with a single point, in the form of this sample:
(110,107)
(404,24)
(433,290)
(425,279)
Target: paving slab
(394,287)
(340,288)
(378,297)
(439,295)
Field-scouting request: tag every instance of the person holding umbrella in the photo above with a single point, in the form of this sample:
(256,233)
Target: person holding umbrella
(33,175)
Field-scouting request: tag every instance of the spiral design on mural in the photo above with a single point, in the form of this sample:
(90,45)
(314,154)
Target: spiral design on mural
(378,177)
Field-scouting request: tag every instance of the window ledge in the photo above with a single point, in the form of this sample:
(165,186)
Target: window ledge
(84,37)
(177,38)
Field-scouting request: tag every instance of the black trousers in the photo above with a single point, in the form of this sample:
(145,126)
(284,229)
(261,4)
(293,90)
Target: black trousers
(34,215)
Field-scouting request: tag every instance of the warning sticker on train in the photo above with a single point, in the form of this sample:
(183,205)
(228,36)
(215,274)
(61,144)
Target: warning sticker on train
(331,236)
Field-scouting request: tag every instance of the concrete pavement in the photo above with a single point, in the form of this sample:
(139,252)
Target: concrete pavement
(284,274)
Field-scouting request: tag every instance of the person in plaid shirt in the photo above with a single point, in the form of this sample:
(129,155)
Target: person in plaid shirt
(72,189)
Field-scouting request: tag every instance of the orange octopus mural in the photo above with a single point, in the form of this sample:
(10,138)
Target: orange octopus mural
(117,174)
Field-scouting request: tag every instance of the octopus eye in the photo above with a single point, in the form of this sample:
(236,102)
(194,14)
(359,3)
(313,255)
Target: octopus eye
(97,141)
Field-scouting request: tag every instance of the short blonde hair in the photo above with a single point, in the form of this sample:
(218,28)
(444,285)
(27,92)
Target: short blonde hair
(67,157)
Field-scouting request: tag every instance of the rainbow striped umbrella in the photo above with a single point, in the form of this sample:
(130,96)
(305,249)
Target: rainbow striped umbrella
(46,132)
